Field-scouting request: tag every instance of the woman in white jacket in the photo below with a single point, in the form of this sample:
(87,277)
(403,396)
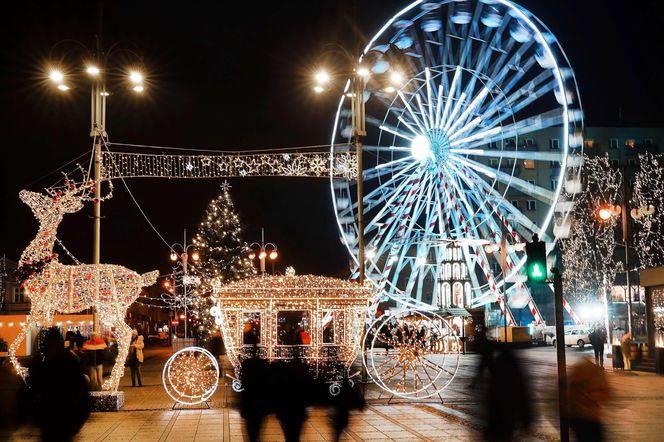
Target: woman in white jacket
(136,358)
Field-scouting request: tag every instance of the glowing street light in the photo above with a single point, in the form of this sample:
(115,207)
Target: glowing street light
(63,87)
(318,89)
(56,76)
(263,248)
(322,77)
(135,77)
(138,88)
(93,70)
(396,78)
(363,72)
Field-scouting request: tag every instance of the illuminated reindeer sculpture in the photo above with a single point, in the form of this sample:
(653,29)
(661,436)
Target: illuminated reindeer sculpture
(54,287)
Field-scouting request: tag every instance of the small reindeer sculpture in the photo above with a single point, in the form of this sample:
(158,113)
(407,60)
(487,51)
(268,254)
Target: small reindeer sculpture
(54,287)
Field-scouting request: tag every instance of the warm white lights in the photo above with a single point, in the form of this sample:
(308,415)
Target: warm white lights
(363,72)
(56,76)
(104,94)
(396,78)
(322,77)
(63,87)
(262,255)
(273,255)
(93,70)
(420,147)
(54,287)
(319,89)
(135,77)
(174,256)
(370,253)
(389,89)
(138,88)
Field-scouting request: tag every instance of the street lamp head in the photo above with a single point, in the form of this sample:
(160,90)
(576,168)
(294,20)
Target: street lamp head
(63,87)
(262,255)
(56,76)
(135,77)
(174,256)
(92,70)
(273,255)
(322,77)
(138,88)
(104,94)
(396,78)
(167,283)
(604,213)
(363,71)
(319,89)
(389,89)
(195,256)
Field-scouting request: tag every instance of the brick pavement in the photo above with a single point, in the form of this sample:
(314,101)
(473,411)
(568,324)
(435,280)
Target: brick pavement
(149,414)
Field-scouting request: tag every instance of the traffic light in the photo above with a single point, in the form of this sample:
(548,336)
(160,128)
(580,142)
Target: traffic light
(536,260)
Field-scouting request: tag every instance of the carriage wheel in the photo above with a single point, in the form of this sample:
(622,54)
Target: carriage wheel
(412,354)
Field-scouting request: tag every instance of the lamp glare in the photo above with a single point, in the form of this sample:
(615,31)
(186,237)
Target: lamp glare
(420,147)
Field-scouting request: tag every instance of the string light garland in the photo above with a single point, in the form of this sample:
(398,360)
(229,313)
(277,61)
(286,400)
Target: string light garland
(57,288)
(226,165)
(648,202)
(191,375)
(326,315)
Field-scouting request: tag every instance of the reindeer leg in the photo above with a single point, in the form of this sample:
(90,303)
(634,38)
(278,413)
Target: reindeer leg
(21,370)
(123,337)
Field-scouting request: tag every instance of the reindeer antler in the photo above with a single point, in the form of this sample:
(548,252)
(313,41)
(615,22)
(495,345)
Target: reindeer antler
(82,189)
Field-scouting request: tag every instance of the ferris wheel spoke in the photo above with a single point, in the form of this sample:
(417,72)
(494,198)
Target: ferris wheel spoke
(450,96)
(419,122)
(396,132)
(519,184)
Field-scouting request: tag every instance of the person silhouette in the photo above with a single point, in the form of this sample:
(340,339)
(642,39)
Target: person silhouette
(256,395)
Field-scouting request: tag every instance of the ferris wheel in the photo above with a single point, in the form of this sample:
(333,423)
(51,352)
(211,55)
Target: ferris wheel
(453,90)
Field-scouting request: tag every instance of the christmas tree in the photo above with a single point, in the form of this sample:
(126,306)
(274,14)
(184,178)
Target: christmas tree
(223,253)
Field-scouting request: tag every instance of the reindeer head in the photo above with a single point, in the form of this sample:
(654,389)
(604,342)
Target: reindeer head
(59,201)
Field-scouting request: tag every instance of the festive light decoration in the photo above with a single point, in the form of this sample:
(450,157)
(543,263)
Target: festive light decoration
(648,211)
(54,287)
(191,375)
(588,253)
(412,354)
(222,252)
(317,318)
(302,164)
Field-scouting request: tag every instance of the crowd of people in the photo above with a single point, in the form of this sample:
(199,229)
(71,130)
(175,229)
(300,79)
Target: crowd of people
(287,388)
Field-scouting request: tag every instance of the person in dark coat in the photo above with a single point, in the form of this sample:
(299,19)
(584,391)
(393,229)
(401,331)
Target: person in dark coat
(597,340)
(508,398)
(256,396)
(485,349)
(293,387)
(58,391)
(349,398)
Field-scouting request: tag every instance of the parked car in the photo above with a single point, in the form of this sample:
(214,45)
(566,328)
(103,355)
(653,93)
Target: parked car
(576,336)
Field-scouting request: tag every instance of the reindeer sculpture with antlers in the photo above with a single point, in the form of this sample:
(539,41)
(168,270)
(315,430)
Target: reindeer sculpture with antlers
(55,287)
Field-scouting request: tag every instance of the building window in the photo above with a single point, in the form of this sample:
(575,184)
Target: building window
(493,162)
(528,164)
(493,145)
(630,143)
(631,162)
(614,163)
(328,327)
(18,295)
(554,143)
(531,182)
(588,144)
(251,328)
(613,143)
(515,203)
(530,142)
(510,142)
(532,205)
(554,183)
(293,327)
(554,164)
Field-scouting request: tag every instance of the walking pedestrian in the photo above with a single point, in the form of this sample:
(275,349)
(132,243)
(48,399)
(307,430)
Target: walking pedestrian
(94,349)
(293,387)
(625,348)
(349,398)
(59,397)
(256,395)
(485,348)
(136,358)
(597,340)
(588,389)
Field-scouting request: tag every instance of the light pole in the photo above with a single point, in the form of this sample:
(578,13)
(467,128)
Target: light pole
(182,259)
(263,248)
(94,64)
(358,74)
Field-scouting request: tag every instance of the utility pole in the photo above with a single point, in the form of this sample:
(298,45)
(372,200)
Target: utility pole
(625,235)
(359,130)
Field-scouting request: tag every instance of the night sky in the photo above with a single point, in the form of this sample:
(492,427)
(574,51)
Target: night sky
(237,77)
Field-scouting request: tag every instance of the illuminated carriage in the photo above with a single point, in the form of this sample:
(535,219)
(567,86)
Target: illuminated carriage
(316,318)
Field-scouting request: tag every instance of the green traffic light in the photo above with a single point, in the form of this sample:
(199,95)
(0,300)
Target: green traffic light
(536,271)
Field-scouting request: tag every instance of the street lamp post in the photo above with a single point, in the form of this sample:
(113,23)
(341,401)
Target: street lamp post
(263,248)
(359,76)
(605,213)
(187,279)
(96,63)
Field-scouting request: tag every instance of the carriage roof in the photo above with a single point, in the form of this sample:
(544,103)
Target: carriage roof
(289,287)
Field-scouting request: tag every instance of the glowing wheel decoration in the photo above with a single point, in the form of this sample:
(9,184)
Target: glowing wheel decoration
(412,354)
(450,148)
(191,375)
